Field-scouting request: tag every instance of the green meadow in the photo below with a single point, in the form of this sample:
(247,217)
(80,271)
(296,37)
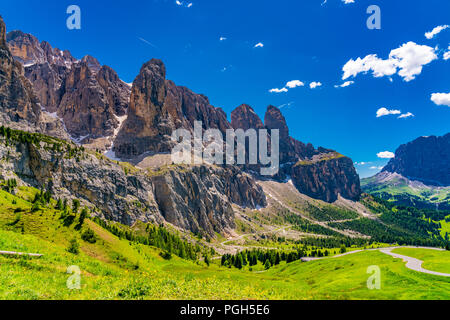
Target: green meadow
(113,268)
(432,259)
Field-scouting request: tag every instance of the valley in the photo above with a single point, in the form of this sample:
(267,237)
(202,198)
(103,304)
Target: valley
(88,184)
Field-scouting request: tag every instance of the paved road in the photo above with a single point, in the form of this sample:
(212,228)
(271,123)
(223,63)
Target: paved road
(411,263)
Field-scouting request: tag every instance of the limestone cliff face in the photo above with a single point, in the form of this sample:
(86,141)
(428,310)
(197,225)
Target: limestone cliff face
(326,176)
(198,199)
(290,149)
(426,159)
(244,117)
(321,174)
(19,106)
(86,108)
(157,107)
(17,100)
(88,97)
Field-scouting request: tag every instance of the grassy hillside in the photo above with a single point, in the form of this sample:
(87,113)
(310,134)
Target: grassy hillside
(114,268)
(433,260)
(402,191)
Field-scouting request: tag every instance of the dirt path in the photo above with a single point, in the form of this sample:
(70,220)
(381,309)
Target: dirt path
(13,253)
(224,243)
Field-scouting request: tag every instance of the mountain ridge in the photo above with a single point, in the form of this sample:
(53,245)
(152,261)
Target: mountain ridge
(418,176)
(88,99)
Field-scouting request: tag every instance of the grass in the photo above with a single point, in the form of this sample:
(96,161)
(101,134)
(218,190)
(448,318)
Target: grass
(399,190)
(113,268)
(433,260)
(327,157)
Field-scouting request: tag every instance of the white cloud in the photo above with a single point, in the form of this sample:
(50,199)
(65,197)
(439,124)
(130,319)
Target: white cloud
(385,155)
(411,58)
(182,3)
(345,84)
(276,90)
(407,60)
(447,54)
(372,63)
(435,31)
(289,85)
(259,45)
(441,99)
(315,84)
(406,115)
(348,1)
(222,38)
(294,83)
(376,168)
(385,112)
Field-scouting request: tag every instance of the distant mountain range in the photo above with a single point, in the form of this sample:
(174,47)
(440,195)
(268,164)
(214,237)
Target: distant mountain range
(418,176)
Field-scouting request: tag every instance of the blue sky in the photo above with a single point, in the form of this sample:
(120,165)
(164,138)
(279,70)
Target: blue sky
(308,41)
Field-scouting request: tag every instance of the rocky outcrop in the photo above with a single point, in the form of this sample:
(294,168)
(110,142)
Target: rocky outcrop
(157,107)
(19,106)
(326,176)
(322,174)
(291,150)
(426,159)
(86,108)
(198,198)
(244,117)
(17,101)
(88,97)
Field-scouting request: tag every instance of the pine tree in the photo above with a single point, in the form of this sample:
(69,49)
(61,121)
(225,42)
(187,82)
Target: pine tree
(83,216)
(59,205)
(206,259)
(75,205)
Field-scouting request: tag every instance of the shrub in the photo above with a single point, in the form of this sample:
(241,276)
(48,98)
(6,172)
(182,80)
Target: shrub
(89,236)
(166,255)
(74,246)
(35,207)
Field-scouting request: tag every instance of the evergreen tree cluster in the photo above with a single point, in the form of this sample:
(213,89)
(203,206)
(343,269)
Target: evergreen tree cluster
(156,236)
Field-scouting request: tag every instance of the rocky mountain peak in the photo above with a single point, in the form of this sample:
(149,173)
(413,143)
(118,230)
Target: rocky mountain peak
(244,117)
(426,159)
(322,174)
(25,48)
(91,62)
(157,107)
(19,106)
(85,95)
(274,119)
(155,67)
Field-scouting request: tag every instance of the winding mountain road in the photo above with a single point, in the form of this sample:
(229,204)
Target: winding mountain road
(411,263)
